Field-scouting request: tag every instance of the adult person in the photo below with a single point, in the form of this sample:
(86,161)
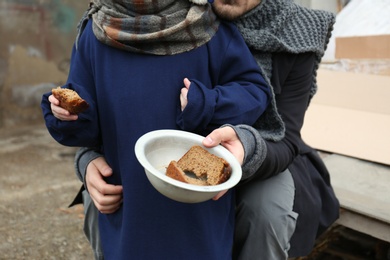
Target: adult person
(285,200)
(129,63)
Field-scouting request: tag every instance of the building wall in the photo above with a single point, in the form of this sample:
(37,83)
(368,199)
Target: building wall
(36,42)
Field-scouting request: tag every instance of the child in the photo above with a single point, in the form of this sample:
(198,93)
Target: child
(129,64)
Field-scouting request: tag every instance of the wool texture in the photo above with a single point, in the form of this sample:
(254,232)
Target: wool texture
(283,26)
(158,27)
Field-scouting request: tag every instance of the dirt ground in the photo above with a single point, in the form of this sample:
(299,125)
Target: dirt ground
(37,183)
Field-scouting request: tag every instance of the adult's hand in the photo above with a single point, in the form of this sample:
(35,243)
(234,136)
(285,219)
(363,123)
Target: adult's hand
(228,138)
(106,197)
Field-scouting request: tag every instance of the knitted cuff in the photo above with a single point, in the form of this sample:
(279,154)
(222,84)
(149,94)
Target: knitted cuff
(254,147)
(82,158)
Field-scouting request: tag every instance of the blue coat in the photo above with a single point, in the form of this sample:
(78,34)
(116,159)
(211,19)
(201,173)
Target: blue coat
(131,94)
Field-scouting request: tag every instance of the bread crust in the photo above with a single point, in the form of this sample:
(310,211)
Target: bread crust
(199,167)
(70,100)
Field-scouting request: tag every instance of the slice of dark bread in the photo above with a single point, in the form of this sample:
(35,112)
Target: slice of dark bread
(70,100)
(200,167)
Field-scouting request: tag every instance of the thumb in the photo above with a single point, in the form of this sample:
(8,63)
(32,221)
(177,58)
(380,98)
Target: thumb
(209,141)
(218,136)
(213,139)
(187,83)
(53,100)
(102,166)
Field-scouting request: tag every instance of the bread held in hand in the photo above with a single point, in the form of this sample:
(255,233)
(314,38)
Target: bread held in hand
(70,100)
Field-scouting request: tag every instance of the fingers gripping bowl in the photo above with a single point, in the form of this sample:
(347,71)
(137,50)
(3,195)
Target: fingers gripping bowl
(156,149)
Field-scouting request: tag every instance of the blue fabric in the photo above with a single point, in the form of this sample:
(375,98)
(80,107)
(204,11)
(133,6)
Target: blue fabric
(131,94)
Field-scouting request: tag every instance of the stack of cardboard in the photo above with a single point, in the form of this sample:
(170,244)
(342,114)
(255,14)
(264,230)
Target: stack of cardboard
(360,18)
(350,114)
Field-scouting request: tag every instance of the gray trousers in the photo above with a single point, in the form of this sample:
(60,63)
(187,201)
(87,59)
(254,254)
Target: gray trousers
(91,225)
(265,221)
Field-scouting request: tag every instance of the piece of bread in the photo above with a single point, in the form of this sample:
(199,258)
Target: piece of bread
(70,100)
(200,167)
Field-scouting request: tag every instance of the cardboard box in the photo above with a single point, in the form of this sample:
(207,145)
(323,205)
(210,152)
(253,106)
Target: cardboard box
(363,47)
(350,115)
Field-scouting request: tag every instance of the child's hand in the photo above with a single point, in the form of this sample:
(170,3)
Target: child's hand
(59,112)
(183,94)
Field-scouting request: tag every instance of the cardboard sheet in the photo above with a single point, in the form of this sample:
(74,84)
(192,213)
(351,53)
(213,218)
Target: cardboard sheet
(350,115)
(359,18)
(363,47)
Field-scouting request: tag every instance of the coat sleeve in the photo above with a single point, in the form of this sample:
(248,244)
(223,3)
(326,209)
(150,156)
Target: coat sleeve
(292,84)
(84,131)
(239,94)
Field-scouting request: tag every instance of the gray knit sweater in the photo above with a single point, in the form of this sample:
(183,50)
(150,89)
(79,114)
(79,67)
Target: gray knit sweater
(278,26)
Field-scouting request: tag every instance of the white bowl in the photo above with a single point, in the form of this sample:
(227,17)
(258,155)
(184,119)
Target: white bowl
(156,149)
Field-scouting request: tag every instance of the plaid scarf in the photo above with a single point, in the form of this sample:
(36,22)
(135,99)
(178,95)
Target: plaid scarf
(159,27)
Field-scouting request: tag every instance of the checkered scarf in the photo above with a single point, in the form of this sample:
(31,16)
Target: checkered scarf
(159,27)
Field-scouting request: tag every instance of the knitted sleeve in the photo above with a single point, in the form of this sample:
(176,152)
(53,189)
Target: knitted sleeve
(237,93)
(82,158)
(254,147)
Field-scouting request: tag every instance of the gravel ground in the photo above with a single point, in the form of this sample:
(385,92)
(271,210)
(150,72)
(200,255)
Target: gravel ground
(37,183)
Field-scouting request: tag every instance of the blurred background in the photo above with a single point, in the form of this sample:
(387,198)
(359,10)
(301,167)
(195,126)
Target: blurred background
(35,46)
(37,180)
